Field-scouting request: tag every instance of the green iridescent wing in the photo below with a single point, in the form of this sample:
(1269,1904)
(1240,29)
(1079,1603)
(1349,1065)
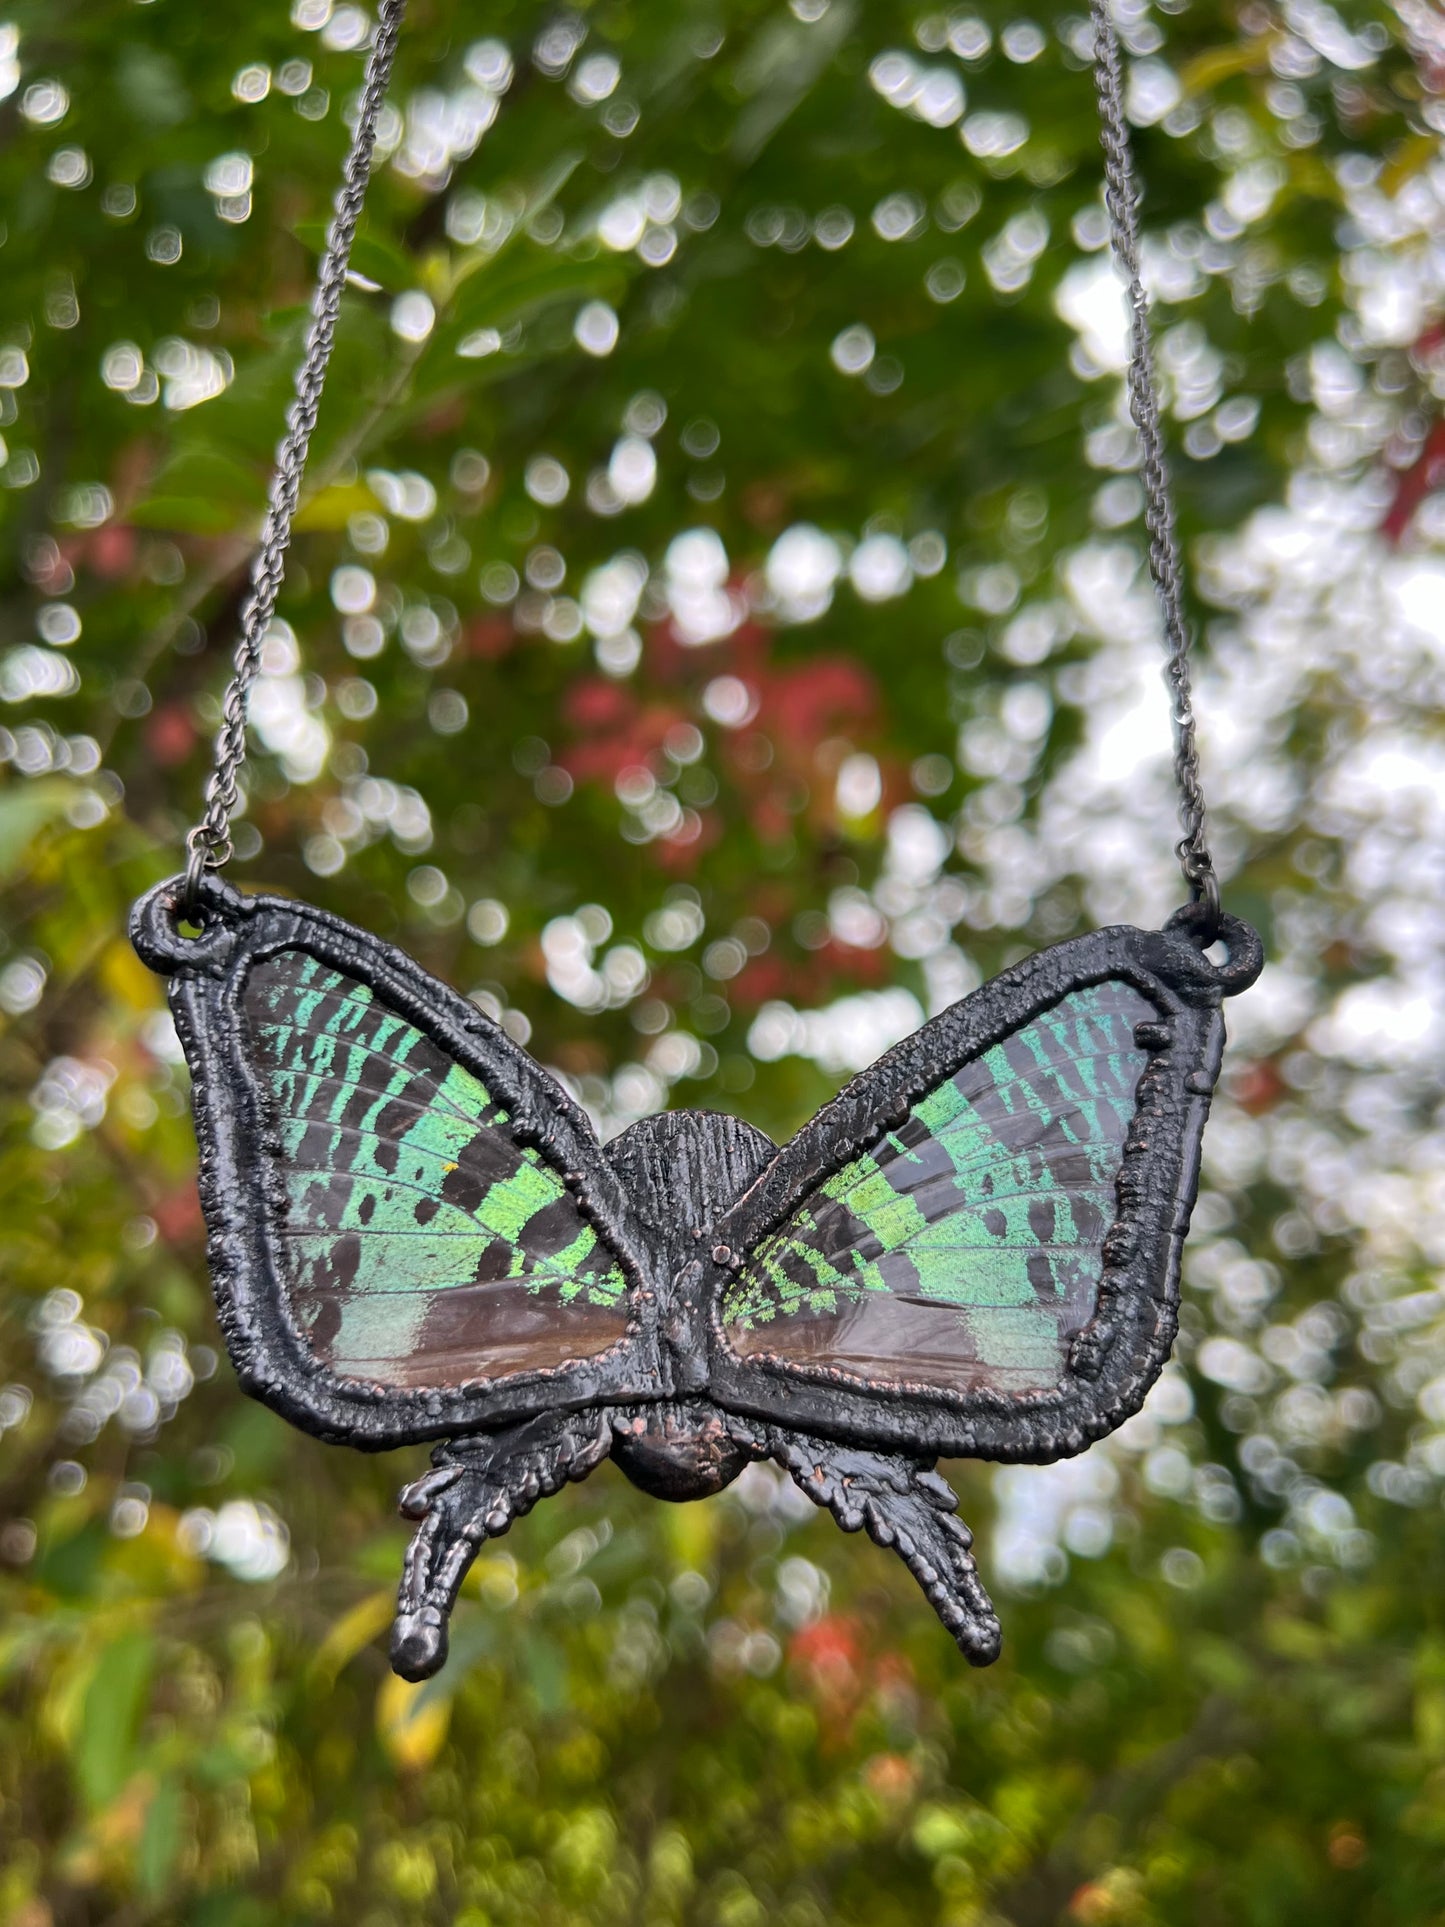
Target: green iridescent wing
(421,1243)
(963,1250)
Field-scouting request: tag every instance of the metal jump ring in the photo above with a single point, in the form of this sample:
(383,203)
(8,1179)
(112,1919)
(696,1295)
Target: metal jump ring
(203,854)
(1206,896)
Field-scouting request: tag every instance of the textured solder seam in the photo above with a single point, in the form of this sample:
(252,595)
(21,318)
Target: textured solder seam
(1199,984)
(1091,1349)
(1181,1110)
(225,1251)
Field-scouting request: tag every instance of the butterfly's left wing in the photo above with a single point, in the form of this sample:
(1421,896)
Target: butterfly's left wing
(413,1229)
(974,1250)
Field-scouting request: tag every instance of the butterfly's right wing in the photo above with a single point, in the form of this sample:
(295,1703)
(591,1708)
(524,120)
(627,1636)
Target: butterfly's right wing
(975,1248)
(413,1229)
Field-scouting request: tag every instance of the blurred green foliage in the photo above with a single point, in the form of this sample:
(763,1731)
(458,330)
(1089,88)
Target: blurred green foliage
(815,279)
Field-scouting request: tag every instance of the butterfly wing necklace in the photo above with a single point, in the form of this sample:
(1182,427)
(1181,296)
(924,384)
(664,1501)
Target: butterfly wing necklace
(414,1233)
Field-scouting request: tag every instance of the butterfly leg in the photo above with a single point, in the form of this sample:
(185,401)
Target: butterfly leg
(477,1486)
(904,1504)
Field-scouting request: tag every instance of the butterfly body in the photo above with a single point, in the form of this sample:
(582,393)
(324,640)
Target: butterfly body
(679,1451)
(414,1234)
(682,1169)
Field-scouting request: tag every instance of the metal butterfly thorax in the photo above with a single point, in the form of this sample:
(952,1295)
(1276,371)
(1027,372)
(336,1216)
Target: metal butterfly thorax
(414,1233)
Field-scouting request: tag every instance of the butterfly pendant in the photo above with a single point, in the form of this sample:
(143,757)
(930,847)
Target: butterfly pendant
(972,1252)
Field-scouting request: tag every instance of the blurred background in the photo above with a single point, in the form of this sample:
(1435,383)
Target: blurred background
(717,638)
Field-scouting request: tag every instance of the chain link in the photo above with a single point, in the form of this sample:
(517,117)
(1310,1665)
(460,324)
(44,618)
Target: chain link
(1121,198)
(209,843)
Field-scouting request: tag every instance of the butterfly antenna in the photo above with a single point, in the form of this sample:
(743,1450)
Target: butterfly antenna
(474,1491)
(902,1504)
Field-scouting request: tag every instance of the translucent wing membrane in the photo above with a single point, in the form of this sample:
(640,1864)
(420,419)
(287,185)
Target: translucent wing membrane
(421,1243)
(964,1250)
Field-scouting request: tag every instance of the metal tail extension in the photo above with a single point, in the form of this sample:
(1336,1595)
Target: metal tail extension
(903,1504)
(476,1488)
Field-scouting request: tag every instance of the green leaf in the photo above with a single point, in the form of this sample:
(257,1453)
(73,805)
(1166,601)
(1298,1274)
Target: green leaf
(162,1838)
(26,810)
(377,259)
(523,283)
(105,1751)
(202,491)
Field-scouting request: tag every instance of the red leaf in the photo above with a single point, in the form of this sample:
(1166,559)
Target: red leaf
(170,735)
(1422,478)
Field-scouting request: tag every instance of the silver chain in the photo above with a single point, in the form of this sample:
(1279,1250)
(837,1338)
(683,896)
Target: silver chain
(1121,198)
(209,844)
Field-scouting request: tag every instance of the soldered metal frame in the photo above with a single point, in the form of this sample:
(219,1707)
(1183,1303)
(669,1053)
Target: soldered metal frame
(676,1342)
(681,1200)
(1119,1353)
(241,1172)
